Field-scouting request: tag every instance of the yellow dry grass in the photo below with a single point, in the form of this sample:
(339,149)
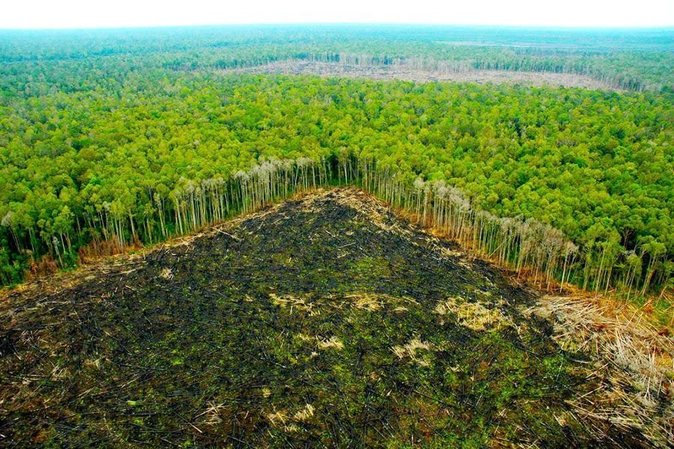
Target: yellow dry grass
(304,414)
(473,315)
(410,350)
(293,303)
(366,301)
(634,365)
(330,343)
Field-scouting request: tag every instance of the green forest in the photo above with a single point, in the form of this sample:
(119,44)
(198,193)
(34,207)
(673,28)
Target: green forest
(114,138)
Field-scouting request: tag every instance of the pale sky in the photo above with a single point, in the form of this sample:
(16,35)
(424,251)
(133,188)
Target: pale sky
(131,13)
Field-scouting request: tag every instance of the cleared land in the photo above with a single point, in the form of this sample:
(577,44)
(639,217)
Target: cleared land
(325,321)
(411,73)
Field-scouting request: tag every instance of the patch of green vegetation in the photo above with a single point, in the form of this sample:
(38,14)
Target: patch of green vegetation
(367,266)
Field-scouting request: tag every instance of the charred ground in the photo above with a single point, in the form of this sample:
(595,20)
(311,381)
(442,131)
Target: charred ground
(322,322)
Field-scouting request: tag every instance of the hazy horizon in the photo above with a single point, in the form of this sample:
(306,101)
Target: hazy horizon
(79,14)
(347,24)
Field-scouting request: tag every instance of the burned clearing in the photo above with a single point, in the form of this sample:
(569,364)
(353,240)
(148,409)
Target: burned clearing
(325,321)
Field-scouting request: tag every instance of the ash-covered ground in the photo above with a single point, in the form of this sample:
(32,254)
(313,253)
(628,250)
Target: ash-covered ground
(321,322)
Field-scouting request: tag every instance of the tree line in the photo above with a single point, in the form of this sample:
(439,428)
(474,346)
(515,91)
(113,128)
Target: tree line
(525,245)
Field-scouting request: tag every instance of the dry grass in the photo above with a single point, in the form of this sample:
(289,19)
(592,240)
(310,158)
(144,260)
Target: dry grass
(473,315)
(279,417)
(321,343)
(373,302)
(293,303)
(212,415)
(411,349)
(633,367)
(330,343)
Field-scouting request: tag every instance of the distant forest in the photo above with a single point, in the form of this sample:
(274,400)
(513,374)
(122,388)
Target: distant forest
(131,136)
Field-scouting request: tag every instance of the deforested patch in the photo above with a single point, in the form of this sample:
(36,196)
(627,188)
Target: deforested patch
(413,73)
(278,418)
(293,302)
(325,321)
(304,414)
(373,302)
(365,301)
